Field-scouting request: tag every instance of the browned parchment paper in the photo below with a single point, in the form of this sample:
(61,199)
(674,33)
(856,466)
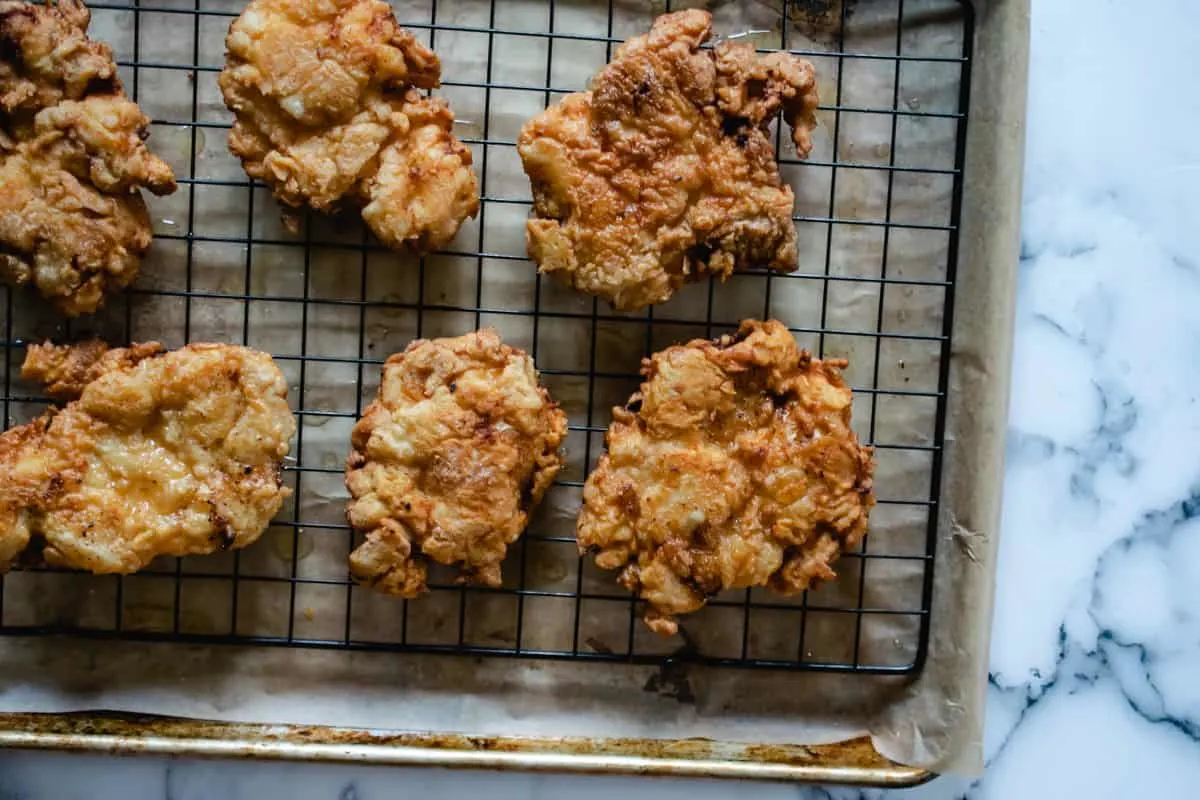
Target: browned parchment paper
(219,287)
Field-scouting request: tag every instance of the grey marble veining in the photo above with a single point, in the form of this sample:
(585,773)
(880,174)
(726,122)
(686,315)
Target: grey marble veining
(1096,645)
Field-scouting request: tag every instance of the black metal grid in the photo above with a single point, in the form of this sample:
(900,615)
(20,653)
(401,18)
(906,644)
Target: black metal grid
(163,593)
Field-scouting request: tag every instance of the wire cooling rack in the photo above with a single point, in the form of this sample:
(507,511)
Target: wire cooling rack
(877,215)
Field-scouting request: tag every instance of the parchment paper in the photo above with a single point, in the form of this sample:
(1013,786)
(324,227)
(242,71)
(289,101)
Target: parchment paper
(251,293)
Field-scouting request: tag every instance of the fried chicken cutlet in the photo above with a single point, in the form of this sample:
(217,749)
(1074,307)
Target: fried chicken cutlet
(733,466)
(663,173)
(328,113)
(450,461)
(72,159)
(154,453)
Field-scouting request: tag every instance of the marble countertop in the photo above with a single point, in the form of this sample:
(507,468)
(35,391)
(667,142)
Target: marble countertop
(1097,630)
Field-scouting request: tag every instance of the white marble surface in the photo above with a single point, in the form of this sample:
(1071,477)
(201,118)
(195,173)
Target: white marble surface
(1096,646)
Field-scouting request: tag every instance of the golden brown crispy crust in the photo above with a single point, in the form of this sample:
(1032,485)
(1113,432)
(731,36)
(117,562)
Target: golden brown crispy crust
(733,466)
(450,461)
(72,158)
(663,172)
(64,370)
(328,112)
(159,453)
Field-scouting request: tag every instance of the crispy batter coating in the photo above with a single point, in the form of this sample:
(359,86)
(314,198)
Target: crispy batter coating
(328,113)
(72,158)
(663,172)
(154,454)
(733,466)
(450,461)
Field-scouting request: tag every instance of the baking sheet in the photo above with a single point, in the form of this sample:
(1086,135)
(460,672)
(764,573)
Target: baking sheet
(932,720)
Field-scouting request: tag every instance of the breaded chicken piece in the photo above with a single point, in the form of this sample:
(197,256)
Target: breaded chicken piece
(450,461)
(155,453)
(72,159)
(733,466)
(328,113)
(663,172)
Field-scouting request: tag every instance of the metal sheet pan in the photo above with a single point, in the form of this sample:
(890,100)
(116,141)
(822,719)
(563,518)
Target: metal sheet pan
(855,760)
(722,728)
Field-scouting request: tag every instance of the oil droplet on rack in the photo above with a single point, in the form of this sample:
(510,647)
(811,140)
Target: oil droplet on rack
(761,38)
(174,143)
(468,129)
(282,546)
(177,143)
